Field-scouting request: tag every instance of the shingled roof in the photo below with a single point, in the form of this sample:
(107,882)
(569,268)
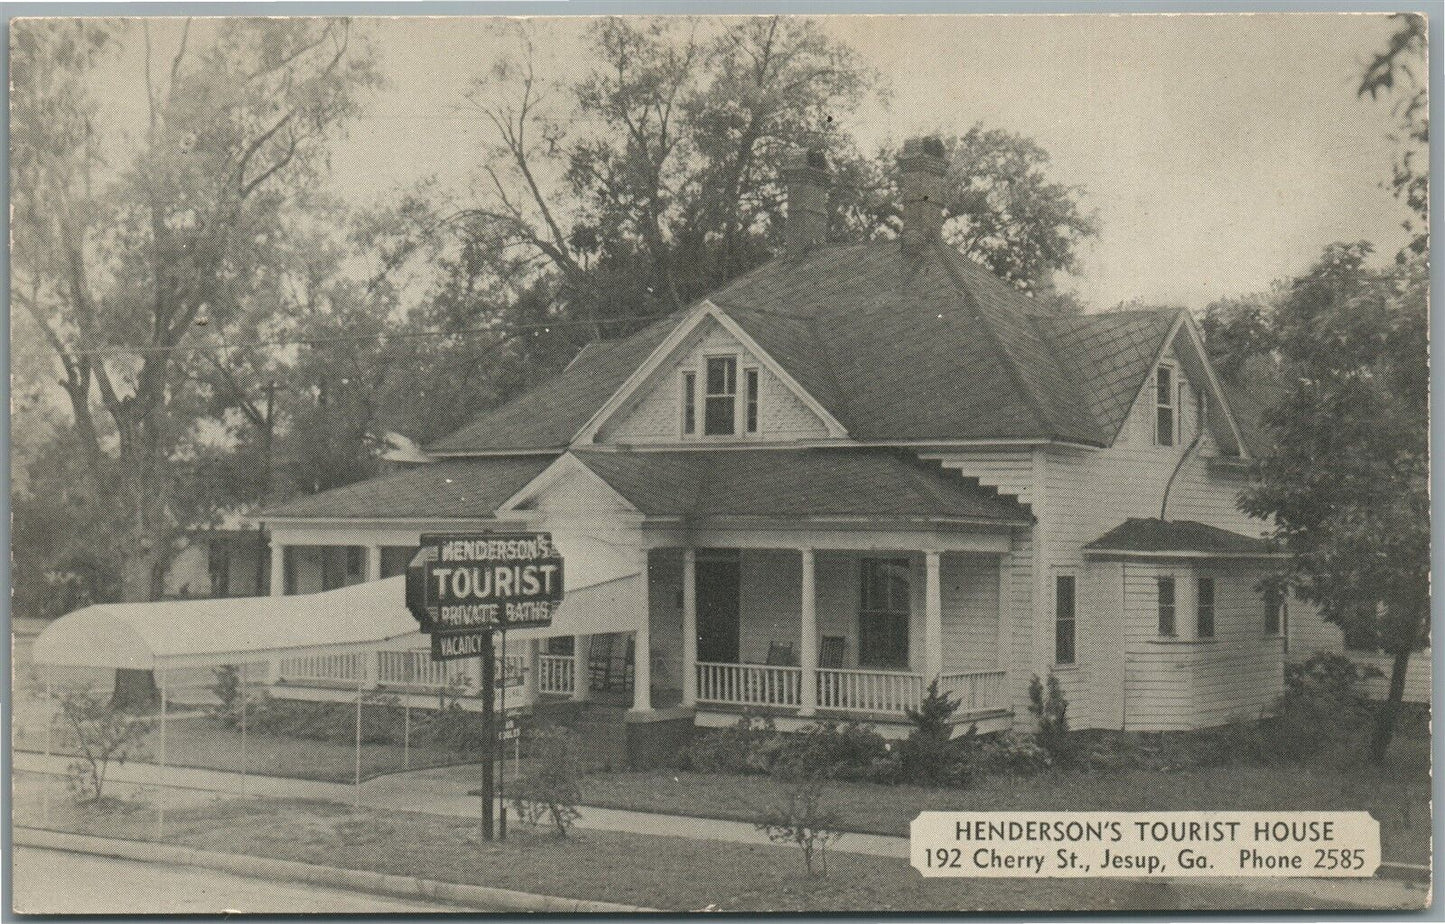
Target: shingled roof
(454,488)
(798,483)
(896,346)
(1178,538)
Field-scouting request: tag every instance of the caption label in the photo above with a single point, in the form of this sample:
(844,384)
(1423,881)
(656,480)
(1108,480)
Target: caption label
(1077,844)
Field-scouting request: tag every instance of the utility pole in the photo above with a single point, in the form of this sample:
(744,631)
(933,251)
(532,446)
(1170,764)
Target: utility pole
(489,730)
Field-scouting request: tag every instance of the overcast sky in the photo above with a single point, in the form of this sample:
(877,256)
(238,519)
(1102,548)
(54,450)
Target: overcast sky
(1219,152)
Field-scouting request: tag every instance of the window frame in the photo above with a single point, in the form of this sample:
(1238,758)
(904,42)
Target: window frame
(708,396)
(752,387)
(1072,620)
(687,391)
(1170,404)
(898,616)
(1169,629)
(1201,607)
(1274,612)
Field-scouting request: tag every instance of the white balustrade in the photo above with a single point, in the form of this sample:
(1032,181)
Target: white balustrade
(556,674)
(749,684)
(326,668)
(976,691)
(869,691)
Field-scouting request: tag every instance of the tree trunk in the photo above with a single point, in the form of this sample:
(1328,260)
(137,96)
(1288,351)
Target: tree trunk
(1390,709)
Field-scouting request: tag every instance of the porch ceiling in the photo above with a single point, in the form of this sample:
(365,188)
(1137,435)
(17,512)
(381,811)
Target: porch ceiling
(799,484)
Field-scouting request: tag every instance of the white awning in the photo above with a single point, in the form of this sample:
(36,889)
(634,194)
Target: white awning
(605,591)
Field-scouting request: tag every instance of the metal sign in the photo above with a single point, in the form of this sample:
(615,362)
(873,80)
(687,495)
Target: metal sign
(477,582)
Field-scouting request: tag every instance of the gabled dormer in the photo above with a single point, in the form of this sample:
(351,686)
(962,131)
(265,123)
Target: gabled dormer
(711,383)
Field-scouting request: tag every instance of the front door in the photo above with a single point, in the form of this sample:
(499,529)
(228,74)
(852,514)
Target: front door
(717,610)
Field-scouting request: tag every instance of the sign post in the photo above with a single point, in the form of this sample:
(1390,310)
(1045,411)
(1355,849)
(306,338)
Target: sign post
(463,588)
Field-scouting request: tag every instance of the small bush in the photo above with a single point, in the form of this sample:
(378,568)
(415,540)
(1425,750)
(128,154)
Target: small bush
(1015,754)
(553,789)
(1050,709)
(101,733)
(749,745)
(803,817)
(1320,712)
(831,750)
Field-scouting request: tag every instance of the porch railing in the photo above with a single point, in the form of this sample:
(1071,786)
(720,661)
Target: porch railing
(868,691)
(327,668)
(749,684)
(417,669)
(556,674)
(845,690)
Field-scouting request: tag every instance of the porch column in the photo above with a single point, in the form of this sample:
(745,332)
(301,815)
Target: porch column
(932,618)
(808,647)
(581,667)
(642,650)
(373,562)
(1005,611)
(689,627)
(278,568)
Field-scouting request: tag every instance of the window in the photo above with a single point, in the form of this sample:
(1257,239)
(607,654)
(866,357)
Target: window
(689,406)
(354,560)
(1166,606)
(1204,613)
(883,613)
(1202,409)
(1164,406)
(1064,619)
(719,414)
(750,376)
(1273,610)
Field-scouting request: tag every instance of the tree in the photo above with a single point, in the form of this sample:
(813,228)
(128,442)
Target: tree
(1346,488)
(1402,65)
(122,263)
(101,733)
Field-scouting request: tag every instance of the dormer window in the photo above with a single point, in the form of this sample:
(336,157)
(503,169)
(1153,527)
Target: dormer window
(719,413)
(689,406)
(1164,407)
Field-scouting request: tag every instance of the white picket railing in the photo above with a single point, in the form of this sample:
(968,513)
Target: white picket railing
(976,691)
(327,668)
(556,674)
(417,669)
(868,691)
(749,684)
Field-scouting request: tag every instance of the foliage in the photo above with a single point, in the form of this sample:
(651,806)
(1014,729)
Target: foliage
(828,750)
(552,789)
(101,733)
(803,817)
(1346,487)
(749,745)
(1012,753)
(227,688)
(1402,65)
(931,718)
(927,760)
(1050,709)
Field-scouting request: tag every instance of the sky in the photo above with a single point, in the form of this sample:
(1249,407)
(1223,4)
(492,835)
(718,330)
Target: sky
(1220,153)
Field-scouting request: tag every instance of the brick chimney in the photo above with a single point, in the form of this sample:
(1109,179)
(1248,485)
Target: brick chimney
(807,180)
(922,171)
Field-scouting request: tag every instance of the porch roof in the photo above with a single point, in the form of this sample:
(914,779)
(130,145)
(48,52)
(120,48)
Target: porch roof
(468,488)
(1177,538)
(798,483)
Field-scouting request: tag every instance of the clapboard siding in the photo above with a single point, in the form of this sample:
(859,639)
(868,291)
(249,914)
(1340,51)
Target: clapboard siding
(969,585)
(1187,682)
(1309,633)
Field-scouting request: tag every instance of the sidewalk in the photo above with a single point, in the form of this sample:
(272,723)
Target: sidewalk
(438,792)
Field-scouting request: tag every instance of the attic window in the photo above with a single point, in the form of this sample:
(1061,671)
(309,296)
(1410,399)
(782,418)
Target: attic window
(719,413)
(689,408)
(750,378)
(1164,406)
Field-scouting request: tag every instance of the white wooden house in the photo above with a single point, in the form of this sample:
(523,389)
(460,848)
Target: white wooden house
(862,467)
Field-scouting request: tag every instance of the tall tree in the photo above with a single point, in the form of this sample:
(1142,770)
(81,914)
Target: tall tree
(1347,485)
(122,276)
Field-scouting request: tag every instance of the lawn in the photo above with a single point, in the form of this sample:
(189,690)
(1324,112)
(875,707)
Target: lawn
(661,872)
(1398,795)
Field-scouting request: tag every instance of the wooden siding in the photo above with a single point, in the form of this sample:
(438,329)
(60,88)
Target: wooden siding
(655,414)
(1309,633)
(1187,682)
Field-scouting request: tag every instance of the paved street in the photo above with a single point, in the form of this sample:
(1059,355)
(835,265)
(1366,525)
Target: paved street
(55,882)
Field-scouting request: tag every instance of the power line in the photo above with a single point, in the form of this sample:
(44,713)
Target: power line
(504,330)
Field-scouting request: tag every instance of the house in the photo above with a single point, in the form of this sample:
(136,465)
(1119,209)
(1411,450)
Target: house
(855,470)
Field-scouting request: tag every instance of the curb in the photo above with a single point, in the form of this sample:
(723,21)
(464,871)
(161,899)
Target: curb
(1408,872)
(478,897)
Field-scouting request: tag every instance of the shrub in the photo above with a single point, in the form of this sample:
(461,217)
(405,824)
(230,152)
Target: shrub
(1011,753)
(101,733)
(553,789)
(803,817)
(1321,711)
(932,716)
(227,687)
(831,750)
(749,745)
(1050,710)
